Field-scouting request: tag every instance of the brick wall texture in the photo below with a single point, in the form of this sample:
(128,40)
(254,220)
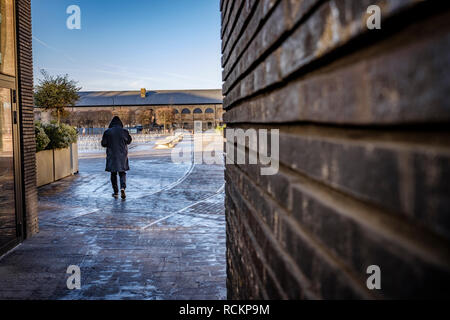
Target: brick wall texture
(364,148)
(26,102)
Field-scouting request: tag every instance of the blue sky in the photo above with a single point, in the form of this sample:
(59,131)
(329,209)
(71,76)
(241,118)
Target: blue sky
(130,44)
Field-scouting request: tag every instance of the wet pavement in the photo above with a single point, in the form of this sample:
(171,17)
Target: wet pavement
(166,241)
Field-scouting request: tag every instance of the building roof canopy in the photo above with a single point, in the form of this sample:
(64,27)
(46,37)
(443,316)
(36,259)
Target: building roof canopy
(152,98)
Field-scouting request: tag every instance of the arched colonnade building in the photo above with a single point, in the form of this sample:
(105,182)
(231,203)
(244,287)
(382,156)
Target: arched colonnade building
(97,107)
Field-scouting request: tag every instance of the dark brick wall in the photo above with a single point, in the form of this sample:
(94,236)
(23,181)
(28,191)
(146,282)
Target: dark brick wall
(364,148)
(26,101)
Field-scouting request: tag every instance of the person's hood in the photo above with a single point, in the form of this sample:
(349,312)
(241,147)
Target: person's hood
(116,122)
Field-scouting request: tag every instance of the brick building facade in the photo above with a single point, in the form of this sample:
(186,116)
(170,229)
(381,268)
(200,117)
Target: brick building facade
(364,148)
(18,194)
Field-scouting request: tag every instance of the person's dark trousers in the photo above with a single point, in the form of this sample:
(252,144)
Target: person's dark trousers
(123,181)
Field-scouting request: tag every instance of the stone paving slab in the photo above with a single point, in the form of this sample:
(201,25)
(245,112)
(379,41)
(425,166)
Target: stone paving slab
(166,241)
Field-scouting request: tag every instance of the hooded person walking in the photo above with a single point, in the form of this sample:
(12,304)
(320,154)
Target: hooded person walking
(116,140)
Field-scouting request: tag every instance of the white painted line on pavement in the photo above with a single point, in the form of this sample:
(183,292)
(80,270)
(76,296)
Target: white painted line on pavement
(184,209)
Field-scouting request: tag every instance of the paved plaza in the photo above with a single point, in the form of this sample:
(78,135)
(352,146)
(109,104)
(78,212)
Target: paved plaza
(166,241)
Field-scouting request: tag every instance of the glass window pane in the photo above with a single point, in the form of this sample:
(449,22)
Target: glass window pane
(7,41)
(7,193)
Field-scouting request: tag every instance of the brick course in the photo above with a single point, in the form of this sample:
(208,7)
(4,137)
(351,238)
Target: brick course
(364,148)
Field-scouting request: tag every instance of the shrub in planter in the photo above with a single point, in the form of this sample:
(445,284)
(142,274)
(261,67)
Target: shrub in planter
(61,136)
(42,140)
(71,132)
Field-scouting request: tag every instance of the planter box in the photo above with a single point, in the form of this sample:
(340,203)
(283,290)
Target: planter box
(54,165)
(74,152)
(63,163)
(44,163)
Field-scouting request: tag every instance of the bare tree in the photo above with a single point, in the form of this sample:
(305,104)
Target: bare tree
(104,118)
(132,118)
(165,117)
(124,115)
(145,117)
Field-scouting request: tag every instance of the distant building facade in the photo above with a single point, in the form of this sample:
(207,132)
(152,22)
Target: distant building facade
(96,108)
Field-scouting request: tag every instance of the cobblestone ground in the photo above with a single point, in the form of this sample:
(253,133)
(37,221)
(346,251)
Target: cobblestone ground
(166,241)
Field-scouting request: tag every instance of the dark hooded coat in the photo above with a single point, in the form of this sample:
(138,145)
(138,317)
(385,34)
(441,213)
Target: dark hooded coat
(116,139)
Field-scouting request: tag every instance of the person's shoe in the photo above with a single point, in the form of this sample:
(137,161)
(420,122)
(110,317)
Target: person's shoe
(124,196)
(115,195)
